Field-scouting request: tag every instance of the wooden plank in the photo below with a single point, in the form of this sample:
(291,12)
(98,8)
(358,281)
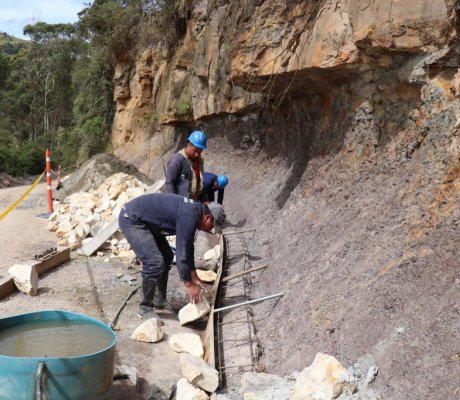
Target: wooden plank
(8,287)
(90,247)
(208,340)
(62,255)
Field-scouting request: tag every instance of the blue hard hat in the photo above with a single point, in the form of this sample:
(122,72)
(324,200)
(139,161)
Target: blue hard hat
(198,139)
(222,181)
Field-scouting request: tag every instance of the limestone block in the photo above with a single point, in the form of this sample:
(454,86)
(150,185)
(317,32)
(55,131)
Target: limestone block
(188,343)
(212,253)
(54,216)
(206,276)
(122,199)
(186,391)
(74,240)
(25,277)
(134,192)
(116,190)
(210,265)
(192,312)
(324,379)
(64,228)
(92,219)
(80,200)
(94,230)
(51,226)
(198,372)
(122,253)
(82,230)
(149,331)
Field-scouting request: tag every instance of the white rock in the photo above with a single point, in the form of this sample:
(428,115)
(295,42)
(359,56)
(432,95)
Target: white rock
(149,331)
(324,379)
(25,277)
(372,373)
(206,276)
(192,312)
(51,226)
(212,254)
(186,391)
(187,343)
(198,372)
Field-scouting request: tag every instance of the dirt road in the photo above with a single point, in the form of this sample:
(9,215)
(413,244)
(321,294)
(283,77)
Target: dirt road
(22,233)
(91,286)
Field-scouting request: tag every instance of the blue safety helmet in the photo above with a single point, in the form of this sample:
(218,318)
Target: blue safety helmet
(198,139)
(222,181)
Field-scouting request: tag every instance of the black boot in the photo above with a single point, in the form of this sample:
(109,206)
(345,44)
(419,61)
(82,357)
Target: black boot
(159,300)
(145,310)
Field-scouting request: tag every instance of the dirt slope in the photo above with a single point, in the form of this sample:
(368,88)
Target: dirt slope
(365,254)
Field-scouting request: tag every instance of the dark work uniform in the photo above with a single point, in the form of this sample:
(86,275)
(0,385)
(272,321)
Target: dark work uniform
(208,187)
(181,178)
(145,220)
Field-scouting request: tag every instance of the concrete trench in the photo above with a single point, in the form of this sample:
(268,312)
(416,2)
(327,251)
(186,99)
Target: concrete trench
(238,349)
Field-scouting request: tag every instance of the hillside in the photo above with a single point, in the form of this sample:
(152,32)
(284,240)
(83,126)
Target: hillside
(10,44)
(338,126)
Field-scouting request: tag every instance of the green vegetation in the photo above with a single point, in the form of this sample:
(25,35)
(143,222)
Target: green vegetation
(183,105)
(148,119)
(56,89)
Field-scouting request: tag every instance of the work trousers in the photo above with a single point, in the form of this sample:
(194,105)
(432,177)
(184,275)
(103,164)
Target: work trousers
(153,251)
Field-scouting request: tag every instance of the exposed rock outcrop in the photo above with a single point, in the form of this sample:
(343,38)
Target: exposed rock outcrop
(338,123)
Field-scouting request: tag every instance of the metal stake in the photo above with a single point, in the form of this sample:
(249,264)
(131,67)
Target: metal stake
(216,310)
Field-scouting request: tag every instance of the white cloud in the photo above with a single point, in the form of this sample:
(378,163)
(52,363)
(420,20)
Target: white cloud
(15,14)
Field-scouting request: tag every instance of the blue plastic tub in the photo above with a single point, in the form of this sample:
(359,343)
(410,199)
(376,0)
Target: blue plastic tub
(71,378)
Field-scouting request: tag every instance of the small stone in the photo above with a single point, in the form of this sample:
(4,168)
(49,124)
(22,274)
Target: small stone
(192,312)
(372,373)
(188,343)
(149,331)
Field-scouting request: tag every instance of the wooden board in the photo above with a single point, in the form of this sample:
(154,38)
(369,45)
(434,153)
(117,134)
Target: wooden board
(8,287)
(90,247)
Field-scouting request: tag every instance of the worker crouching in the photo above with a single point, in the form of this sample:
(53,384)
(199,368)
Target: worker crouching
(145,221)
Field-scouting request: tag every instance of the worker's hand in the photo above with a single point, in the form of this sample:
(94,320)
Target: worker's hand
(197,281)
(194,292)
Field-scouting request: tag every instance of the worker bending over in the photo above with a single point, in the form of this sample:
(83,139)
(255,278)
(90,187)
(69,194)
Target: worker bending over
(145,221)
(213,183)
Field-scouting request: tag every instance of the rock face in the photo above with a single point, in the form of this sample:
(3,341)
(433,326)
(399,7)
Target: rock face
(234,59)
(338,124)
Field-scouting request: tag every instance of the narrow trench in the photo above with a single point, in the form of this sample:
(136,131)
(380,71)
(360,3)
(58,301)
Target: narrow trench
(236,344)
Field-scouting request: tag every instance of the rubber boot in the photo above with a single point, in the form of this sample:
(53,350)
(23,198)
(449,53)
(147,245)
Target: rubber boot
(145,310)
(159,300)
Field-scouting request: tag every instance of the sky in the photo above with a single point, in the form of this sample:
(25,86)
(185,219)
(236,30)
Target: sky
(15,14)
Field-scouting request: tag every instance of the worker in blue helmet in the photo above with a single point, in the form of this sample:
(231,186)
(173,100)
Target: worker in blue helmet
(213,183)
(184,171)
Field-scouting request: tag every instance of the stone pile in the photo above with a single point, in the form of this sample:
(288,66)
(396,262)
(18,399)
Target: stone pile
(82,215)
(199,378)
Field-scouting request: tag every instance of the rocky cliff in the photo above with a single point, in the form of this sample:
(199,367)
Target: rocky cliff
(338,125)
